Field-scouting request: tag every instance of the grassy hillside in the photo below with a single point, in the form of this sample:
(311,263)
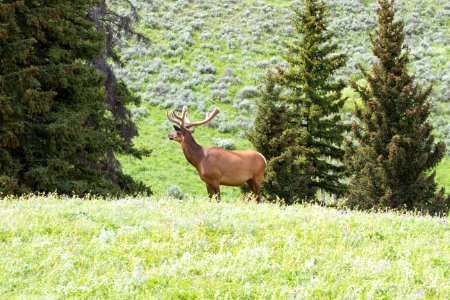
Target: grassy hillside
(169,249)
(167,167)
(208,54)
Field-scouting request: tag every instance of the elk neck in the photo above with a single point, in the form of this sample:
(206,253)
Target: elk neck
(192,151)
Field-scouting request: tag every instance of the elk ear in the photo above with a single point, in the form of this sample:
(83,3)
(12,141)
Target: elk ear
(192,130)
(176,128)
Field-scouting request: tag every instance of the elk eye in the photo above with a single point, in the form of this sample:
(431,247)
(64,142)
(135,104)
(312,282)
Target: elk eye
(176,128)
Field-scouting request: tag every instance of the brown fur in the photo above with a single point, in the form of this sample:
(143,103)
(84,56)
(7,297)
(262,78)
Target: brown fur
(217,166)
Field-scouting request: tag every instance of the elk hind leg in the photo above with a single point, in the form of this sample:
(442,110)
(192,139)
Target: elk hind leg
(255,187)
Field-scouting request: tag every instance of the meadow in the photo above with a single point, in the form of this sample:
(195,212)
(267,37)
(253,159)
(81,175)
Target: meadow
(177,244)
(54,247)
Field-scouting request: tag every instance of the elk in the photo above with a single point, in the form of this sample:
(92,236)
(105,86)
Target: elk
(217,166)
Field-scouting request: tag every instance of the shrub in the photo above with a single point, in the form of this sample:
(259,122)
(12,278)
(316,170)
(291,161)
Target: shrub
(139,112)
(244,123)
(204,66)
(225,127)
(225,143)
(229,77)
(221,95)
(174,192)
(248,92)
(244,105)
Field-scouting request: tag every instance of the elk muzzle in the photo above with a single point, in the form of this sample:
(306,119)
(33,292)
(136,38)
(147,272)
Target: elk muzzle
(175,136)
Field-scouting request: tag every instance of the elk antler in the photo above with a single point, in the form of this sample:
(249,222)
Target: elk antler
(177,119)
(207,119)
(184,121)
(172,119)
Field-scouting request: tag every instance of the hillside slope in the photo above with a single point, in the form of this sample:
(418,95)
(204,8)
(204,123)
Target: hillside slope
(207,54)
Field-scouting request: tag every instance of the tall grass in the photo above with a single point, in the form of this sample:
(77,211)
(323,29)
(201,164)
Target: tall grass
(165,249)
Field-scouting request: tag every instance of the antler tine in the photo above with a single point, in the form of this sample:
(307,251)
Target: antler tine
(172,118)
(175,116)
(208,119)
(184,114)
(182,120)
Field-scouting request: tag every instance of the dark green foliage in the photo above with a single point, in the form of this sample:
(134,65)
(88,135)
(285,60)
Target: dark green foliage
(56,133)
(298,127)
(117,95)
(394,164)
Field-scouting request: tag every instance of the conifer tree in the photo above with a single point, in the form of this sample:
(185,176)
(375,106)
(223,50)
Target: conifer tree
(55,130)
(117,96)
(394,164)
(298,126)
(116,25)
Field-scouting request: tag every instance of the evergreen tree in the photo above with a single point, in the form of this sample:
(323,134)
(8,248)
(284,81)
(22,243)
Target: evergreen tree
(298,126)
(55,130)
(117,96)
(115,25)
(393,165)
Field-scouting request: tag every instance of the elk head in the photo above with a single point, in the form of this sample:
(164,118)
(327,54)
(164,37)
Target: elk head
(183,126)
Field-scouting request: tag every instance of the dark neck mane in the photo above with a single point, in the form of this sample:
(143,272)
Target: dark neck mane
(192,151)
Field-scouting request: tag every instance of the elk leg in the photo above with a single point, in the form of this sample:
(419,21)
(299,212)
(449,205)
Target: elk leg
(213,191)
(210,191)
(217,192)
(255,187)
(258,183)
(258,193)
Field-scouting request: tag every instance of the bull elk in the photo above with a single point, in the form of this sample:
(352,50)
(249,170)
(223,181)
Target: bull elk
(217,166)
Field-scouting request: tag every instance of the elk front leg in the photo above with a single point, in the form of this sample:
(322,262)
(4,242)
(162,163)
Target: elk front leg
(210,191)
(213,191)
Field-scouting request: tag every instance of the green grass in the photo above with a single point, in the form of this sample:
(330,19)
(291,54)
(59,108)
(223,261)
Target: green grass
(443,174)
(168,249)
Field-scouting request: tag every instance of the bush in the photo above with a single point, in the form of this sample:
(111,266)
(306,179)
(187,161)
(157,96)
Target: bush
(229,77)
(174,192)
(139,112)
(244,123)
(225,127)
(204,66)
(221,95)
(244,105)
(248,92)
(225,143)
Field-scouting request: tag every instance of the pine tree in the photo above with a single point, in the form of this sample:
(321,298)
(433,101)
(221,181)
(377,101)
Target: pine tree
(115,25)
(393,167)
(56,133)
(299,129)
(117,95)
